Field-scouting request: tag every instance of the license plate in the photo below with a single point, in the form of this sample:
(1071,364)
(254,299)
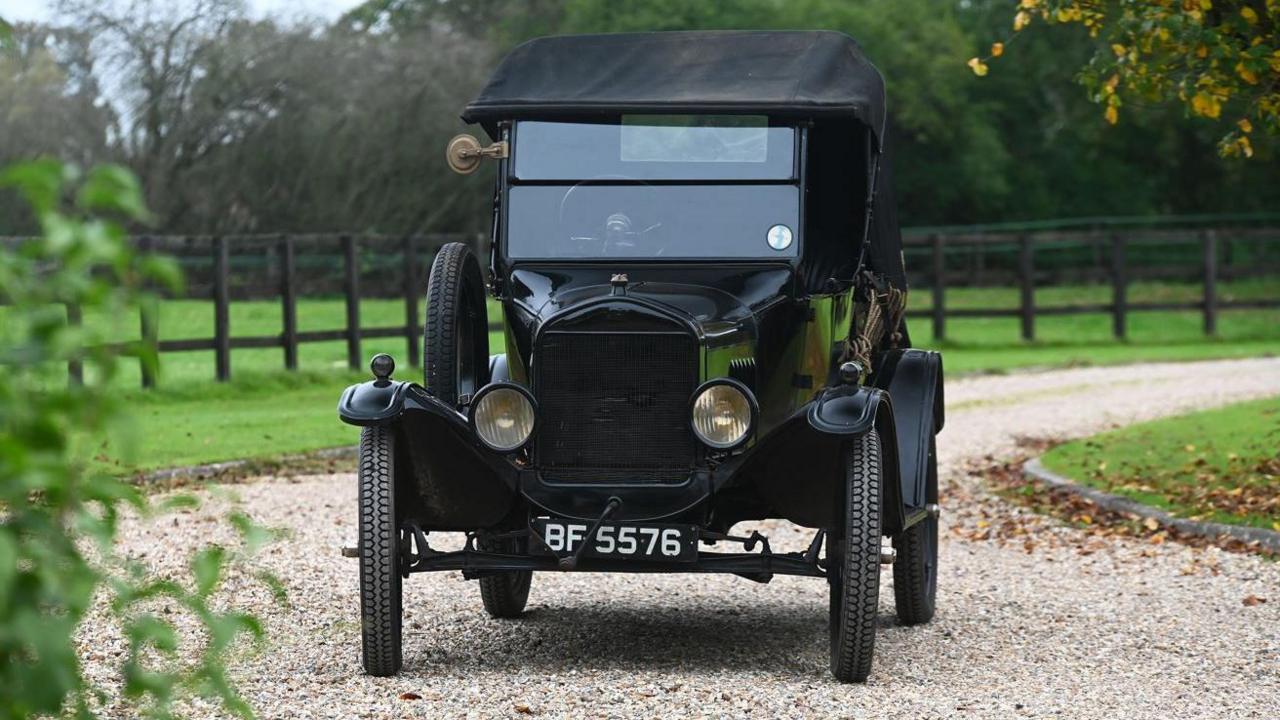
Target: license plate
(619,540)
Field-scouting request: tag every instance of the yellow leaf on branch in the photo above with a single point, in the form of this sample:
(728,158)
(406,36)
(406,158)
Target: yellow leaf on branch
(1249,15)
(1206,105)
(997,49)
(1245,125)
(1249,76)
(979,68)
(1021,20)
(1112,115)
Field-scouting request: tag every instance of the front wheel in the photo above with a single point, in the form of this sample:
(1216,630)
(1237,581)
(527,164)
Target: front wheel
(853,561)
(380,594)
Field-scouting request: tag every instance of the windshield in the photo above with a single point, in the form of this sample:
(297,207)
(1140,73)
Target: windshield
(654,187)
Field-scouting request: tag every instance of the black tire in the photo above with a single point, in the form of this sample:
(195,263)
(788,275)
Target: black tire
(853,552)
(380,591)
(455,341)
(505,595)
(915,571)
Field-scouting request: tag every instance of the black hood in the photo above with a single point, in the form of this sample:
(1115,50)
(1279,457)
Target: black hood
(715,302)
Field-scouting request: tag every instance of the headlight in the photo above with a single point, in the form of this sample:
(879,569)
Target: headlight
(503,416)
(723,413)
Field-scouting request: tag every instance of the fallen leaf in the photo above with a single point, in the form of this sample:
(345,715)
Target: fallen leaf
(524,709)
(1252,600)
(1151,523)
(410,696)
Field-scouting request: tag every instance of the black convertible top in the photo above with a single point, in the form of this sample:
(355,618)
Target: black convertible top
(788,73)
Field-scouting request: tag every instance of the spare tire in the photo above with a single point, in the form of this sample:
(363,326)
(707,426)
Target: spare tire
(455,342)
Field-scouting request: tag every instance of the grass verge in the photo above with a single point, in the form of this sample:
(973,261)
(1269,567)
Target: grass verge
(1220,465)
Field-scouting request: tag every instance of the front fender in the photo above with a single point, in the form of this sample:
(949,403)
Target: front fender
(797,469)
(446,479)
(377,402)
(846,410)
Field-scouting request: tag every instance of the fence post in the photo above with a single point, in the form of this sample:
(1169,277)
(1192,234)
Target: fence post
(221,314)
(939,289)
(1119,287)
(353,301)
(1026,277)
(289,302)
(1210,240)
(411,294)
(148,320)
(75,368)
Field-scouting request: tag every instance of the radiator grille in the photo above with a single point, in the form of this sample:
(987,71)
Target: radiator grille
(614,408)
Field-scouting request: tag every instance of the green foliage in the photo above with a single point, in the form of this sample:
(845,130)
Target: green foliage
(1220,59)
(58,514)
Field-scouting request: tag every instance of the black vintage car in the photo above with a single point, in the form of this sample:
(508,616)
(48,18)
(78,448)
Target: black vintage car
(697,256)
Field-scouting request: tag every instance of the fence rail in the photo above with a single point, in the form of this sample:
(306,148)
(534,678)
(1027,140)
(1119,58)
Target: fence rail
(1109,258)
(1121,275)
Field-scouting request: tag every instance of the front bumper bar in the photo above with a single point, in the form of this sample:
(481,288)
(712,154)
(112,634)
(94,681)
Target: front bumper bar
(475,564)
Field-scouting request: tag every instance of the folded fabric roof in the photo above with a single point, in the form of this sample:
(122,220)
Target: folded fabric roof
(777,73)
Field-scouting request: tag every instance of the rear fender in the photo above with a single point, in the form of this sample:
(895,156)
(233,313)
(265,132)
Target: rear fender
(913,378)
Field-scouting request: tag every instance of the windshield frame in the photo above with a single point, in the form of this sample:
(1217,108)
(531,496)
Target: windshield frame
(503,260)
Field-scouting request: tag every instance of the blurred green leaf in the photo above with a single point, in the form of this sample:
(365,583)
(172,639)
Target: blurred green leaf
(207,568)
(113,189)
(149,630)
(253,534)
(40,182)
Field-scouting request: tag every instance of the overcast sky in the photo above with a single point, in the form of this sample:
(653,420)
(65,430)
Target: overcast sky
(17,10)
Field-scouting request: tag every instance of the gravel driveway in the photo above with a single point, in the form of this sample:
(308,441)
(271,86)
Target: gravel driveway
(1064,624)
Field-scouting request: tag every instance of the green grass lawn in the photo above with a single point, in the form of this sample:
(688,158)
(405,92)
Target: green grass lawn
(1221,465)
(265,412)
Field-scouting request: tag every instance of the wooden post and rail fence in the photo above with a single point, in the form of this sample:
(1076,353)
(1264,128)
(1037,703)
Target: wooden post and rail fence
(402,262)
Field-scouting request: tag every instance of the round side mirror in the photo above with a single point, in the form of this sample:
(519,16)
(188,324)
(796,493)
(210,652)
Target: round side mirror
(463,154)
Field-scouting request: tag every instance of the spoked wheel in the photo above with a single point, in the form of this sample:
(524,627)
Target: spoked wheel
(505,595)
(915,572)
(380,599)
(455,343)
(853,561)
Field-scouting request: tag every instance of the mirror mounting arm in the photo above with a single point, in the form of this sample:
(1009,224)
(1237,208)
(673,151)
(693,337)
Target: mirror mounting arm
(464,153)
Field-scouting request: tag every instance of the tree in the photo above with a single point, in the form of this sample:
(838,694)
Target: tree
(156,48)
(1220,59)
(50,105)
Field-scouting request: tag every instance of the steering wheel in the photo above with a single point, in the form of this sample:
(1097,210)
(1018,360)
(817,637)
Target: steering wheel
(617,234)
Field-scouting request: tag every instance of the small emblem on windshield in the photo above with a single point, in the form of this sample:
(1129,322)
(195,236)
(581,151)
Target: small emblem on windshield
(779,237)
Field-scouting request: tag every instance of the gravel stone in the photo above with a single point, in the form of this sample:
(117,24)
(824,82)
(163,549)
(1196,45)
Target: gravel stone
(1069,625)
